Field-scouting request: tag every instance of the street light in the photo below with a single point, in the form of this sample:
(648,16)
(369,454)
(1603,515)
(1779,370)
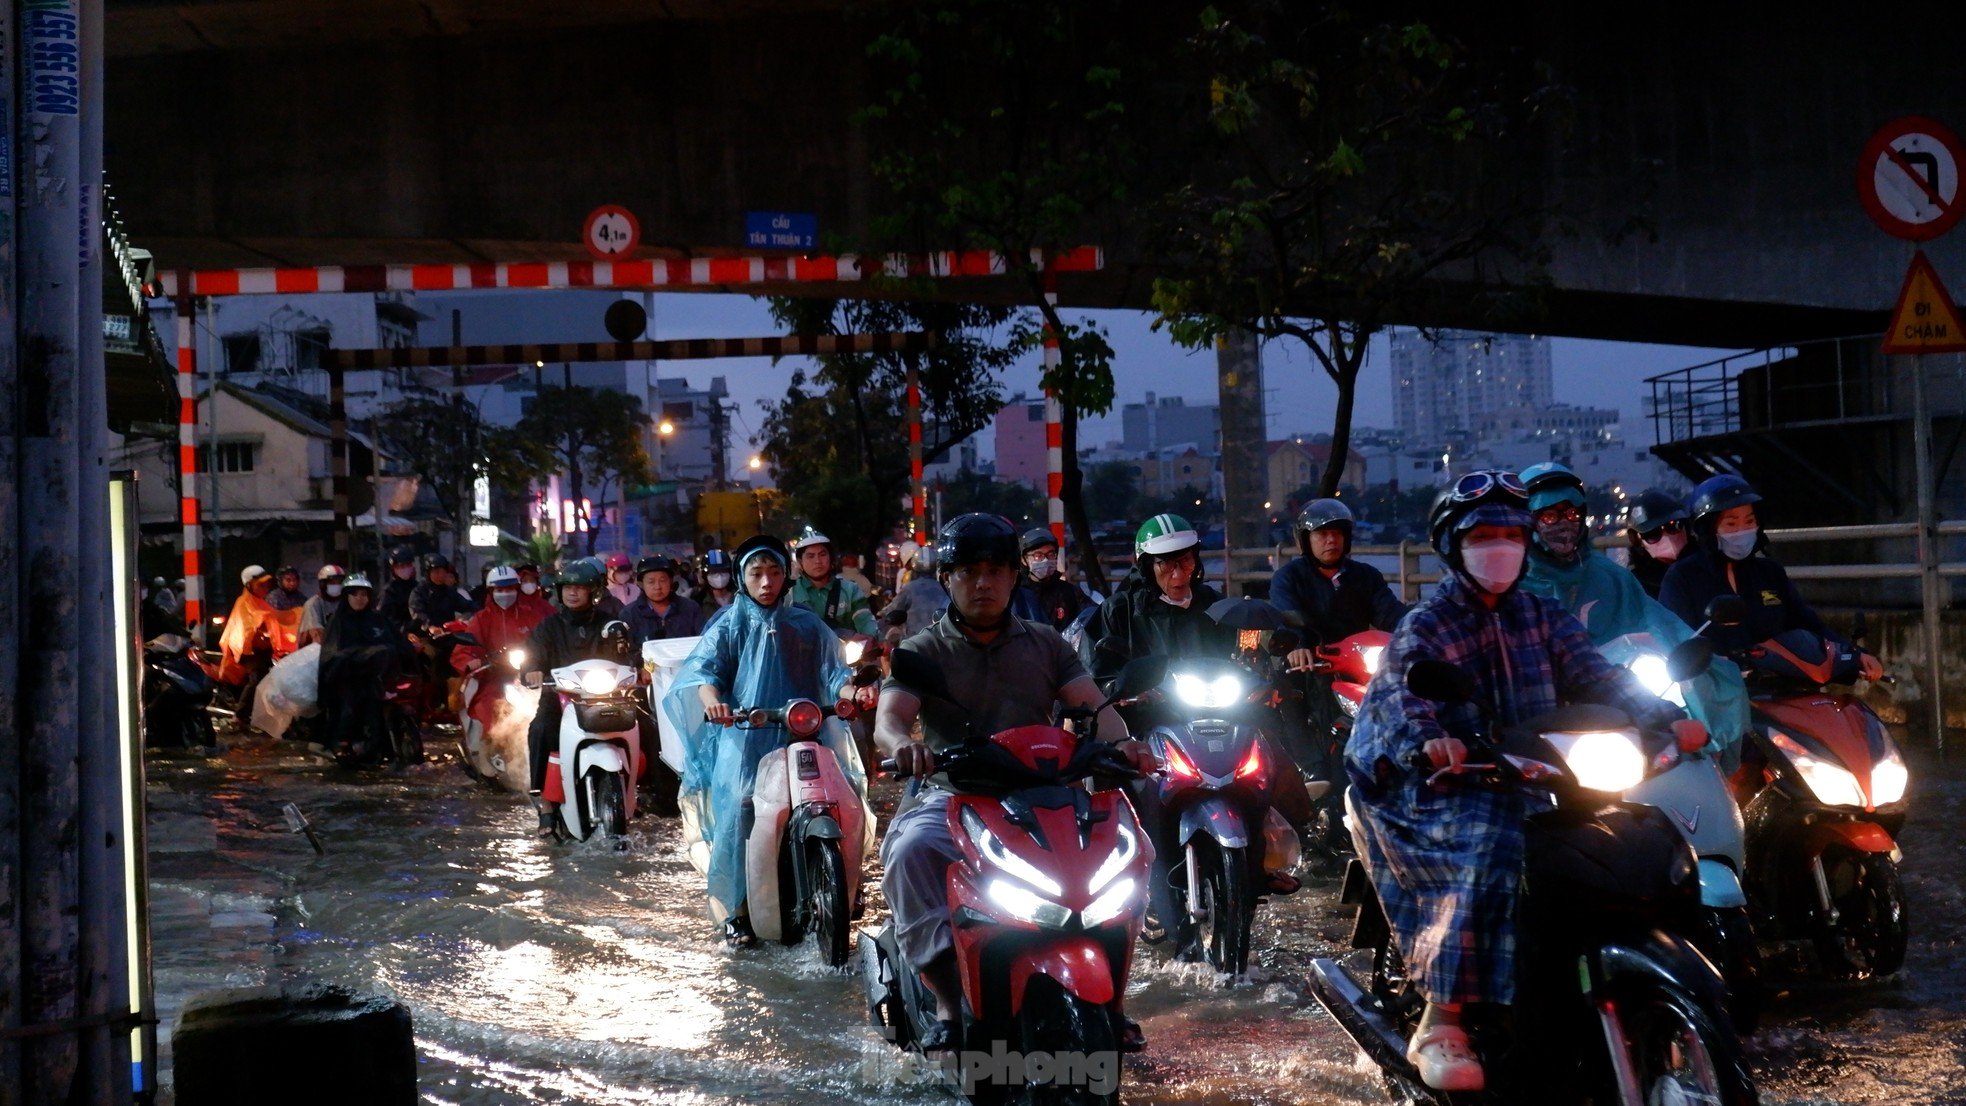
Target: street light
(666,428)
(756,462)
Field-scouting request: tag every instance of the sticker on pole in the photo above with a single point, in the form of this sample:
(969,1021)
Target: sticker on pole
(1925,320)
(1909,178)
(611,233)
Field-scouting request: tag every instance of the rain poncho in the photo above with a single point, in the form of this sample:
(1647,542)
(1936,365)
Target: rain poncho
(250,615)
(1611,603)
(755,657)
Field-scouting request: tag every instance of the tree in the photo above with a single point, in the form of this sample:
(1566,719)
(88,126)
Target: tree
(1111,489)
(1347,182)
(590,435)
(445,441)
(838,441)
(996,124)
(973,491)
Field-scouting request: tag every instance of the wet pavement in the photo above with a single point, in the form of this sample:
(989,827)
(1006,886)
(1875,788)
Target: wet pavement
(541,973)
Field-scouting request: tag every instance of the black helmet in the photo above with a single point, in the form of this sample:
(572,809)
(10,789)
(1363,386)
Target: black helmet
(402,555)
(583,573)
(973,539)
(1323,514)
(434,561)
(1454,508)
(1037,539)
(287,570)
(1719,493)
(656,563)
(761,543)
(1653,510)
(716,560)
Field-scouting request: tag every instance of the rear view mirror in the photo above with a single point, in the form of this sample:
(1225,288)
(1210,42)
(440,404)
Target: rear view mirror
(1141,675)
(1727,610)
(919,674)
(1689,659)
(1283,641)
(1439,681)
(867,675)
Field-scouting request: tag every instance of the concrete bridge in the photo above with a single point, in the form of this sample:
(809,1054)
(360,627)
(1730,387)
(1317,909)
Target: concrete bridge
(1706,188)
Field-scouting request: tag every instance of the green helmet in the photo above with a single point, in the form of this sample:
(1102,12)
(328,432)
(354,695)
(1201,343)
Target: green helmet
(1164,534)
(583,573)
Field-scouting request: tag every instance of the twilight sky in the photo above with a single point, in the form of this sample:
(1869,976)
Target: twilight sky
(1300,396)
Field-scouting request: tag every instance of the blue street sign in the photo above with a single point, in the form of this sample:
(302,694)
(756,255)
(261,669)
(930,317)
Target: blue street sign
(780,230)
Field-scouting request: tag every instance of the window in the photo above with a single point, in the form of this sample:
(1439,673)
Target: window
(234,456)
(310,346)
(241,352)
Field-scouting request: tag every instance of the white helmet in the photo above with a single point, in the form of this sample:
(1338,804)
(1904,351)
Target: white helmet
(252,572)
(329,572)
(356,581)
(504,576)
(810,536)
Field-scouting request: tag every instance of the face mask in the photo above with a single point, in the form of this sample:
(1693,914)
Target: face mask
(333,591)
(404,572)
(1495,565)
(1042,568)
(1665,547)
(1739,545)
(530,587)
(1182,603)
(719,580)
(505,598)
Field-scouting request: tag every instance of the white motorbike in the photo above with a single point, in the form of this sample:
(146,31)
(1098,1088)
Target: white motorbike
(592,773)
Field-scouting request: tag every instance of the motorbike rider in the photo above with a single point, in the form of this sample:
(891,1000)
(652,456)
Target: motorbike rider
(622,579)
(530,597)
(327,596)
(1609,602)
(503,622)
(919,602)
(1731,559)
(360,649)
(719,589)
(1003,672)
(850,572)
(576,632)
(1052,596)
(658,612)
(764,652)
(840,603)
(247,645)
(395,598)
(1446,862)
(1656,528)
(286,594)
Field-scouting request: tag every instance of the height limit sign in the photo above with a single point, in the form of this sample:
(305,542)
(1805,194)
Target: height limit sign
(1908,177)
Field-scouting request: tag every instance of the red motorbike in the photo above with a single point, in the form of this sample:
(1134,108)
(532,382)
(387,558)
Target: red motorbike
(1350,663)
(1823,789)
(1045,904)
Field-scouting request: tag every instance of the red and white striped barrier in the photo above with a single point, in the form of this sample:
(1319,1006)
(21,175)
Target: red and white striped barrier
(187,451)
(667,349)
(918,489)
(697,272)
(1054,425)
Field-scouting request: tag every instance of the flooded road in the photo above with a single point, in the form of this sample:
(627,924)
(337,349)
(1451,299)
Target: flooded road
(541,973)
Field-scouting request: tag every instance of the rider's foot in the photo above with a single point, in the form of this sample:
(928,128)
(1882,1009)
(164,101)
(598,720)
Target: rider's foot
(942,1039)
(1445,1060)
(1132,1037)
(738,933)
(549,820)
(1283,883)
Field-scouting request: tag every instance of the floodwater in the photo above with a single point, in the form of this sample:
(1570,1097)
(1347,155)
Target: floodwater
(573,974)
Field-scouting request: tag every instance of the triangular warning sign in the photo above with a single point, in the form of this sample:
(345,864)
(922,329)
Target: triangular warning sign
(1925,321)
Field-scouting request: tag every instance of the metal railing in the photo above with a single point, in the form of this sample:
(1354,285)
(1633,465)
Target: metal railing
(1708,399)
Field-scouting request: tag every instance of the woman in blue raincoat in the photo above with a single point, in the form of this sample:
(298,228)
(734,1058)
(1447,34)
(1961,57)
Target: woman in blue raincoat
(1612,604)
(763,652)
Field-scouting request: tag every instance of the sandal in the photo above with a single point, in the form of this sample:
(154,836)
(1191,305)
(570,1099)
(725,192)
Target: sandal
(1445,1060)
(738,933)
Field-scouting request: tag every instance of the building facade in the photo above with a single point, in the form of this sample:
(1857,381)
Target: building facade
(1450,390)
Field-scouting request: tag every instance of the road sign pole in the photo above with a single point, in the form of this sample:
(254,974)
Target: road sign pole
(1928,556)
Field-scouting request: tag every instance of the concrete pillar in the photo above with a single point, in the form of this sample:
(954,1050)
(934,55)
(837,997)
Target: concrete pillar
(1239,376)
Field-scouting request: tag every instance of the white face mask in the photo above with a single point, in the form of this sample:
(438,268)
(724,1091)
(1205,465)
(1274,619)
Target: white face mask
(505,597)
(1739,545)
(718,580)
(1665,547)
(405,572)
(1043,567)
(1495,565)
(530,587)
(332,591)
(1173,602)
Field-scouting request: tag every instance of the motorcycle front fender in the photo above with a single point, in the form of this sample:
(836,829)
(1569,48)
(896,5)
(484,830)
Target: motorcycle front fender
(1661,957)
(605,755)
(1719,886)
(1863,837)
(1218,818)
(1079,965)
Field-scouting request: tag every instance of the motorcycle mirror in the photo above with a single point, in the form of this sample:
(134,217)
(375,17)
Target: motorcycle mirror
(1141,675)
(1283,641)
(1689,658)
(1726,610)
(1439,681)
(867,675)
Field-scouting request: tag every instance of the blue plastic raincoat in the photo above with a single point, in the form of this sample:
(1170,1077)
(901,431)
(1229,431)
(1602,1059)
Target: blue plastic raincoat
(1611,603)
(755,657)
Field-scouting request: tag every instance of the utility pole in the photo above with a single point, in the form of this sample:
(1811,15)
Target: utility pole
(1239,374)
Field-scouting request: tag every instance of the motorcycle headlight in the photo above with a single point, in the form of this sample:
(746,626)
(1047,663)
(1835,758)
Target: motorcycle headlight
(1606,760)
(997,854)
(1116,862)
(597,682)
(1650,668)
(1026,906)
(1214,694)
(1888,780)
(1832,783)
(1349,708)
(1114,903)
(1373,655)
(852,651)
(516,658)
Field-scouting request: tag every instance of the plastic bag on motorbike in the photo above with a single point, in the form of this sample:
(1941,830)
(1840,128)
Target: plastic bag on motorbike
(290,690)
(662,658)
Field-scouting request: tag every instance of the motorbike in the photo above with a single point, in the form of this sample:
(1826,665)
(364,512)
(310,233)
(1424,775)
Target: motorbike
(592,773)
(1045,903)
(1220,843)
(492,694)
(810,828)
(177,695)
(1613,1003)
(1350,663)
(1825,811)
(1695,794)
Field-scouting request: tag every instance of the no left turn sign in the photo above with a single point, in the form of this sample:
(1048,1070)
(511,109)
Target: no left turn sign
(1909,178)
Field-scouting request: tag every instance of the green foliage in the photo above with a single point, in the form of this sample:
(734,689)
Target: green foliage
(973,491)
(838,440)
(445,441)
(1111,488)
(592,436)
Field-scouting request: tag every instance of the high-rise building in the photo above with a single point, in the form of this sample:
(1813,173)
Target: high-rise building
(1163,422)
(1457,388)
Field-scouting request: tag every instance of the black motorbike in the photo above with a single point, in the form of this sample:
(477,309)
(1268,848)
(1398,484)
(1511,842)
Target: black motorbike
(1614,1006)
(177,695)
